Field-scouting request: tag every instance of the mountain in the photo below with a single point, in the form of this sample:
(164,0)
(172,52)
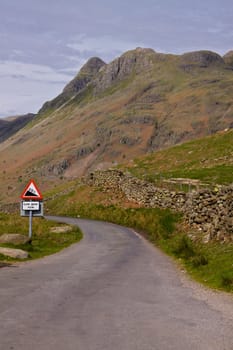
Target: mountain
(11,125)
(86,74)
(141,102)
(228,58)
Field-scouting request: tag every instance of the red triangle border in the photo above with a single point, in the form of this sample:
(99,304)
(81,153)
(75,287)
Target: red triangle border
(40,197)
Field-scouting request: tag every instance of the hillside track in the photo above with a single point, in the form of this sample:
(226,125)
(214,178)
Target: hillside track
(111,291)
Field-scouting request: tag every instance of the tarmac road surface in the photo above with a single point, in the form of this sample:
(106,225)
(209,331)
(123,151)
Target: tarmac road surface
(111,291)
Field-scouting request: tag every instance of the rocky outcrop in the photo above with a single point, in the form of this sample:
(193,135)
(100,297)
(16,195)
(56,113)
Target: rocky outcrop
(14,238)
(228,58)
(14,253)
(58,169)
(132,62)
(201,59)
(61,229)
(208,211)
(85,75)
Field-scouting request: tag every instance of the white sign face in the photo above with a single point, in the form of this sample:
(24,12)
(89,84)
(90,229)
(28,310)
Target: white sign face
(31,205)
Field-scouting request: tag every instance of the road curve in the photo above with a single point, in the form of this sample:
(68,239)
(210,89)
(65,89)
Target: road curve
(111,291)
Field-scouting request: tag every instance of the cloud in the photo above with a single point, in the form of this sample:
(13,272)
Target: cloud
(75,62)
(30,71)
(25,87)
(104,45)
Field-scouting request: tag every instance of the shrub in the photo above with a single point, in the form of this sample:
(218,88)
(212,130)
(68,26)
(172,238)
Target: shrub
(183,247)
(199,260)
(227,280)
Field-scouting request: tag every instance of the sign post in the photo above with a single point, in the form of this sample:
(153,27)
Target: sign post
(30,225)
(31,204)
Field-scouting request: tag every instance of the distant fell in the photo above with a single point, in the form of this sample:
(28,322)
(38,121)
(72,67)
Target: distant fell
(202,59)
(228,58)
(9,126)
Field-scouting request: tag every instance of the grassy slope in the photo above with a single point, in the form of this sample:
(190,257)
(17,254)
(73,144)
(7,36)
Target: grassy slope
(209,159)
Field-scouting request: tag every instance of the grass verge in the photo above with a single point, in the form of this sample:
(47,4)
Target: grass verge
(210,264)
(44,241)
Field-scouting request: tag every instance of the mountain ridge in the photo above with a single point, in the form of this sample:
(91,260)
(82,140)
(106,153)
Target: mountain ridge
(121,67)
(79,82)
(140,102)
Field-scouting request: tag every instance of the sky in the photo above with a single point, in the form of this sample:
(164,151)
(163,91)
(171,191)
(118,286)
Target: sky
(44,43)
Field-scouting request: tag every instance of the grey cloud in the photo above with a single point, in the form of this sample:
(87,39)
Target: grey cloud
(63,34)
(8,112)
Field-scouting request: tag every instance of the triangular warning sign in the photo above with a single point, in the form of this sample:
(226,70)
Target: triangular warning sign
(31,191)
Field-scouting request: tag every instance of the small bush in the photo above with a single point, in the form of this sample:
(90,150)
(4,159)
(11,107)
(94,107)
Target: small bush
(227,280)
(199,260)
(183,247)
(167,222)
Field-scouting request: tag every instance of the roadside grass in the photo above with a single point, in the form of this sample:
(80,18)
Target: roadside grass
(219,174)
(44,242)
(210,264)
(208,177)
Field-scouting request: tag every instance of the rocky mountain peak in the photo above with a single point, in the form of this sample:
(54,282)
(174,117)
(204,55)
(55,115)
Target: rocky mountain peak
(228,58)
(85,75)
(202,58)
(133,61)
(92,66)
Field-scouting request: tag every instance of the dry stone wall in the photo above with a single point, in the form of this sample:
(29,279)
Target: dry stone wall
(209,211)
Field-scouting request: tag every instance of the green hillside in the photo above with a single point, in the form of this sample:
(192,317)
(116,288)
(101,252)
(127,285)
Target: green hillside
(209,160)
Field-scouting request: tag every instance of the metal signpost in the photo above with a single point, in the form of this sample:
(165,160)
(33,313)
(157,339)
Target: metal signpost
(32,203)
